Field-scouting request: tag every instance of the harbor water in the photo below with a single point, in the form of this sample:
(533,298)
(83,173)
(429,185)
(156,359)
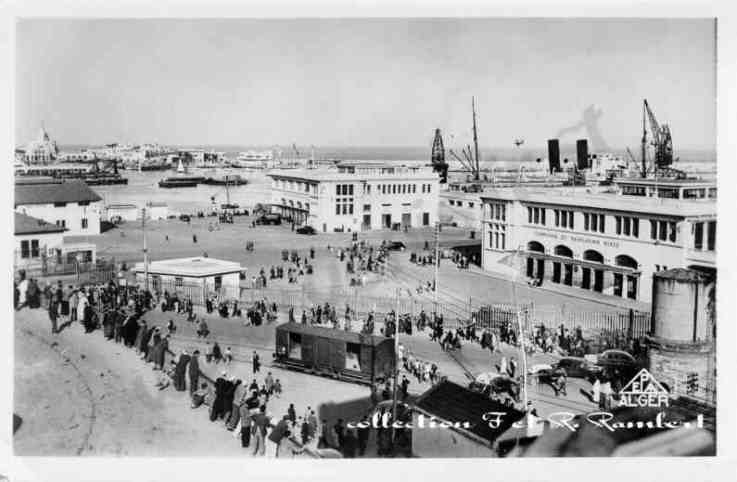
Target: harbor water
(143,187)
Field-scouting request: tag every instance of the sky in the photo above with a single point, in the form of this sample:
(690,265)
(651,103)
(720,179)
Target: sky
(361,82)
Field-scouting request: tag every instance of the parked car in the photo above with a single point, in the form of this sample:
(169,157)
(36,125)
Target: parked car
(619,360)
(576,367)
(267,219)
(306,230)
(184,217)
(395,246)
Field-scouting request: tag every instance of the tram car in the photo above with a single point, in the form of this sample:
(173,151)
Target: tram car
(344,355)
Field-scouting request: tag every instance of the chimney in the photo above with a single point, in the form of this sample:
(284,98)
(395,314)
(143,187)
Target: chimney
(553,155)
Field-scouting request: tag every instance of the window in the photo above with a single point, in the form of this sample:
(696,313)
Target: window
(626,225)
(663,234)
(178,282)
(452,202)
(529,215)
(429,188)
(672,236)
(470,204)
(698,236)
(62,223)
(84,223)
(25,252)
(414,188)
(59,205)
(618,224)
(653,229)
(711,235)
(366,208)
(218,283)
(34,248)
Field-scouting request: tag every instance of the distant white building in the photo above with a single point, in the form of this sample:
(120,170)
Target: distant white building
(357,196)
(71,205)
(157,210)
(42,150)
(121,212)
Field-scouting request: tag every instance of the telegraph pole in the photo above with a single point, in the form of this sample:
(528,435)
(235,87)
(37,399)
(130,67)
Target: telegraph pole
(396,367)
(437,266)
(145,250)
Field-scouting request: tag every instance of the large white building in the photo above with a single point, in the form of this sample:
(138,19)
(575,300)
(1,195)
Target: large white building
(71,205)
(41,150)
(357,196)
(606,242)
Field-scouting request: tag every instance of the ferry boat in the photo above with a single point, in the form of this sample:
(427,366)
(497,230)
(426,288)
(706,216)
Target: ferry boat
(181,181)
(229,180)
(84,172)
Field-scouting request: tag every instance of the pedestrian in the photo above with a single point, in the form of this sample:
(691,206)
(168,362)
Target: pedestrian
(596,391)
(53,314)
(292,413)
(194,371)
(246,425)
(256,363)
(228,356)
(261,424)
(339,432)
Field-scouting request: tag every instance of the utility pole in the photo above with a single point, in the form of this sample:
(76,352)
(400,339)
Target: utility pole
(476,173)
(437,266)
(145,250)
(396,368)
(521,332)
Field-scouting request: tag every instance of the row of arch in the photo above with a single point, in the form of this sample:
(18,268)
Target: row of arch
(591,255)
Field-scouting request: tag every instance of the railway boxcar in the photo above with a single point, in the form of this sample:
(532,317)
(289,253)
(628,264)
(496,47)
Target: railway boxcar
(345,355)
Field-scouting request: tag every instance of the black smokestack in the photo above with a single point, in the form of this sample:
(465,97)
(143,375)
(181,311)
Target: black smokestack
(553,155)
(582,154)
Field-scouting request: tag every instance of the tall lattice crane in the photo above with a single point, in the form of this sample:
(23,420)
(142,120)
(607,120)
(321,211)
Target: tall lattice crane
(662,141)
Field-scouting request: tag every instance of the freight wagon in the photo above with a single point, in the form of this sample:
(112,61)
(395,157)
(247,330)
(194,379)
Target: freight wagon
(344,355)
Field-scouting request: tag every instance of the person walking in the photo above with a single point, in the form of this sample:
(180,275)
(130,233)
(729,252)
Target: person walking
(261,424)
(194,371)
(53,314)
(256,363)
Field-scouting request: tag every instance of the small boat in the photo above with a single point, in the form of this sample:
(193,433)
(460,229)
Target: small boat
(181,181)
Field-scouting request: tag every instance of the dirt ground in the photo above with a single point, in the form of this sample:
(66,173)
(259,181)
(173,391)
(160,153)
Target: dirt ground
(79,394)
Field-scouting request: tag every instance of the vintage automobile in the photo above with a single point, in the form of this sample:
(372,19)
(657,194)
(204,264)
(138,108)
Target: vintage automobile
(306,230)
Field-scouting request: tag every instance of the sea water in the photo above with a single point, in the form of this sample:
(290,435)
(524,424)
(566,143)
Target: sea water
(143,187)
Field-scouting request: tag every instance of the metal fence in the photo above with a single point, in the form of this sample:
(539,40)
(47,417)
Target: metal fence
(101,271)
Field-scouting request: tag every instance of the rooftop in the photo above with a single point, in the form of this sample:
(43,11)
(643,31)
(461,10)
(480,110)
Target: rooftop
(193,267)
(668,182)
(347,336)
(363,171)
(121,206)
(29,225)
(605,201)
(453,403)
(72,191)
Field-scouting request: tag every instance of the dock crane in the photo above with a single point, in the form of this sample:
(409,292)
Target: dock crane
(662,140)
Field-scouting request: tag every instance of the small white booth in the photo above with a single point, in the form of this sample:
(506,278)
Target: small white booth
(197,277)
